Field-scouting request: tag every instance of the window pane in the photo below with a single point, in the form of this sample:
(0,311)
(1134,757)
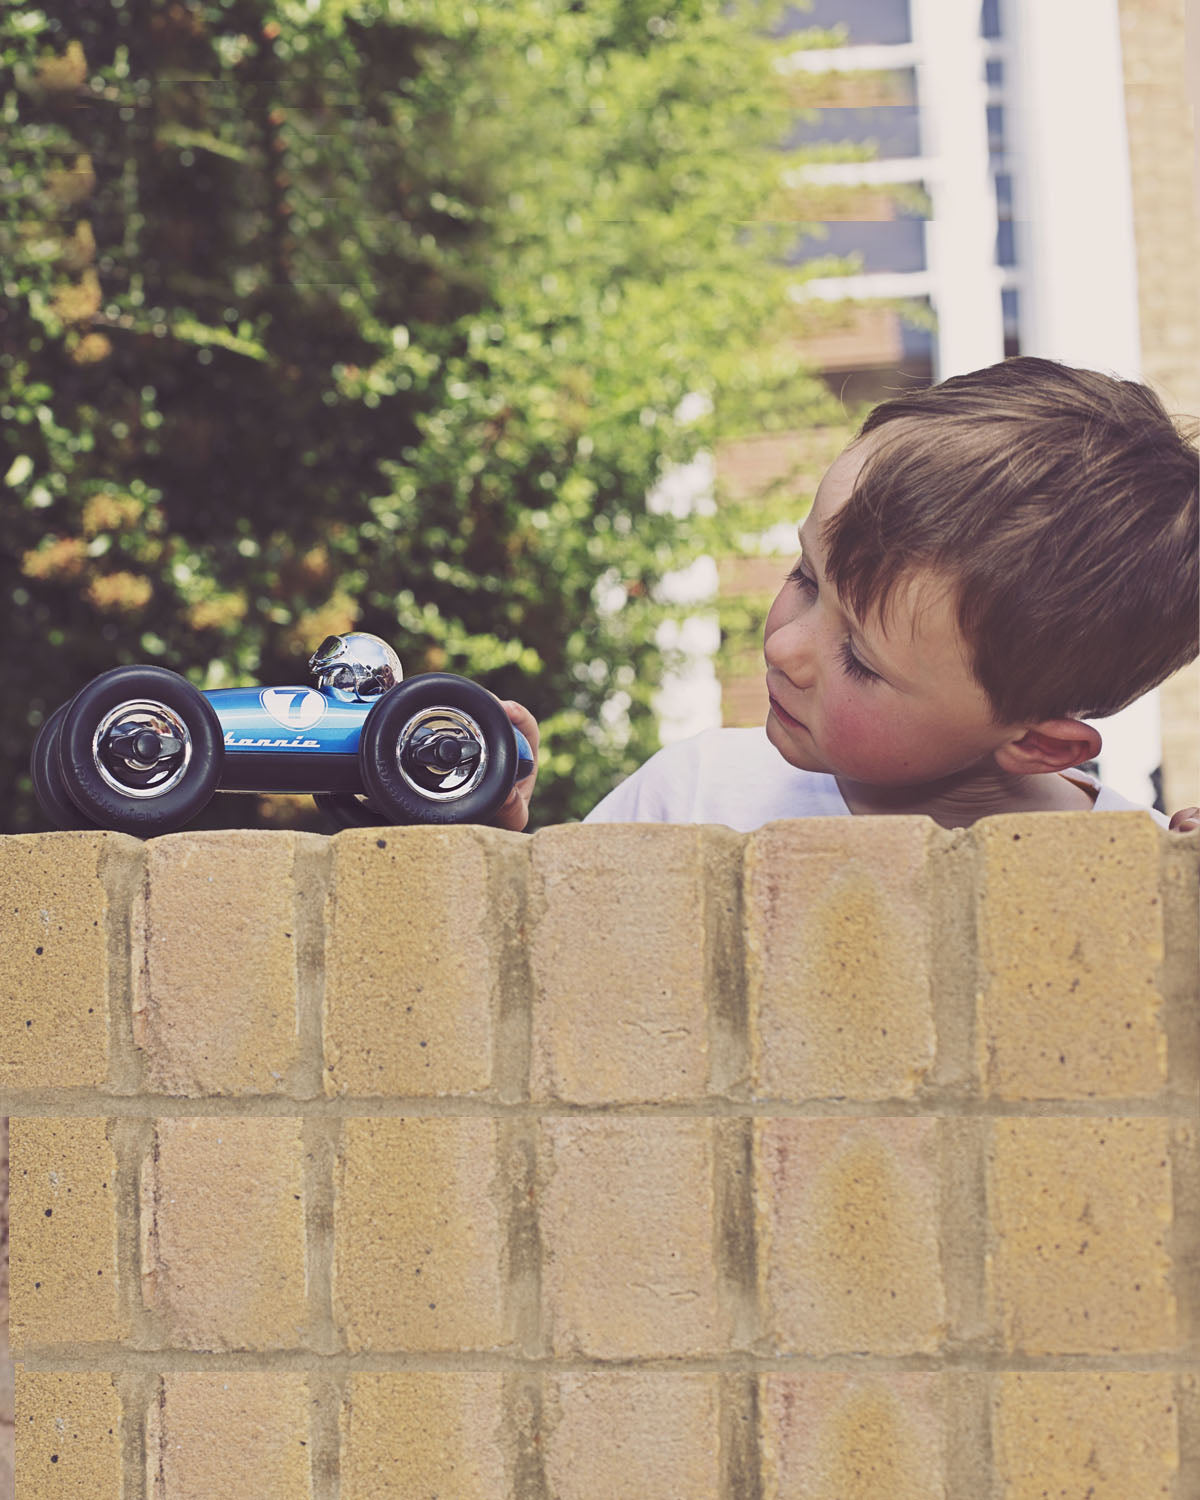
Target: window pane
(1010,304)
(887,245)
(917,342)
(869,22)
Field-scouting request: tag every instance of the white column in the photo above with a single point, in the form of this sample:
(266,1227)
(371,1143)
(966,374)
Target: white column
(1132,749)
(1073,195)
(960,239)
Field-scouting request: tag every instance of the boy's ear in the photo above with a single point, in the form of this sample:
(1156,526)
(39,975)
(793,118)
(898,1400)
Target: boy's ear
(1052,745)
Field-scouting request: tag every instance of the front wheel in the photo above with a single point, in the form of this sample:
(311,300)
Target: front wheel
(141,750)
(438,749)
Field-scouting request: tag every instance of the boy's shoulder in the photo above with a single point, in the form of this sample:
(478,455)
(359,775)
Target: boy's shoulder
(735,777)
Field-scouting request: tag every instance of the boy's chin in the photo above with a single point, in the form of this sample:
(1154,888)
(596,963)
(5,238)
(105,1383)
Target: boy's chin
(795,746)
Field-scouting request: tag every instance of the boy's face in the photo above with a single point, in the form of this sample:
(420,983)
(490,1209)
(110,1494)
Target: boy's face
(899,707)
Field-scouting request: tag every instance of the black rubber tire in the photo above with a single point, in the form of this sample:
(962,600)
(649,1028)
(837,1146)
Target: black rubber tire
(109,808)
(378,744)
(344,810)
(49,786)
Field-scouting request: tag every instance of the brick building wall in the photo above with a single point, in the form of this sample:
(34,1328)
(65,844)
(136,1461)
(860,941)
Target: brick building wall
(1162,104)
(851,1158)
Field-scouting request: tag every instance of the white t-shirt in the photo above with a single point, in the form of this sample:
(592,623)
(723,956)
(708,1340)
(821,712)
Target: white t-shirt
(738,778)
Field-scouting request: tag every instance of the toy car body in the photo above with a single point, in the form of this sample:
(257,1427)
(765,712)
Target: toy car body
(140,750)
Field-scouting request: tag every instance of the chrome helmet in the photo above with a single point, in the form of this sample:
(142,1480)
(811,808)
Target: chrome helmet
(355,666)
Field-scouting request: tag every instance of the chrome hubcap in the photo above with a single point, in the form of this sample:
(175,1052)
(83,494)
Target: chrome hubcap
(441,753)
(142,748)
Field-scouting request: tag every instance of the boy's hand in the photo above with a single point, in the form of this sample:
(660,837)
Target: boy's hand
(515,812)
(1185,820)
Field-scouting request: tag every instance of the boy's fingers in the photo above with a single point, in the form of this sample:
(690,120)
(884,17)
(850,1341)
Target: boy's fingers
(1186,819)
(514,813)
(520,716)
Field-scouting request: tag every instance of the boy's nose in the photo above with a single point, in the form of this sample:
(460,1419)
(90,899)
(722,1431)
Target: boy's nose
(790,650)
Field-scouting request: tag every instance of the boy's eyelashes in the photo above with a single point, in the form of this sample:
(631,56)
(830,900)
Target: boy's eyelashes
(850,663)
(852,666)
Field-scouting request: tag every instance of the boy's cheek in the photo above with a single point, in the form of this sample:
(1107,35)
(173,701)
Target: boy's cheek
(861,742)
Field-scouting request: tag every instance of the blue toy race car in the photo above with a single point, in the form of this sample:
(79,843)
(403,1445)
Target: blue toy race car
(140,750)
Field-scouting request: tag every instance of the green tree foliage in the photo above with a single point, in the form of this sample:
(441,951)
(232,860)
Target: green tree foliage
(379,313)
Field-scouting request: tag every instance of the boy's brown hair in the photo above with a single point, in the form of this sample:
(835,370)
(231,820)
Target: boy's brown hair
(1063,502)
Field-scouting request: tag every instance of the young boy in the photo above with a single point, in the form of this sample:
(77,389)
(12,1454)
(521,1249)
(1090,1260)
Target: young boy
(990,562)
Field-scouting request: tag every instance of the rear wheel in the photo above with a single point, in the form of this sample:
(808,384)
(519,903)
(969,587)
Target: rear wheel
(49,785)
(438,749)
(141,750)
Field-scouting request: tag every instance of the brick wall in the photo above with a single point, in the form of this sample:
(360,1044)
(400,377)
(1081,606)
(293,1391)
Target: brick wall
(849,1160)
(1166,211)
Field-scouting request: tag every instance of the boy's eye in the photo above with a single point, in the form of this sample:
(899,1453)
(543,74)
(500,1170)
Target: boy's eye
(800,577)
(855,668)
(850,663)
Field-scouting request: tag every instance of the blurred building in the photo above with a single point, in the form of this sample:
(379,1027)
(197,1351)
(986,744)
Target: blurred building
(1029,191)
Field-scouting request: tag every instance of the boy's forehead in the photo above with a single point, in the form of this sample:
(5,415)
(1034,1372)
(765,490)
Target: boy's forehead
(840,477)
(837,483)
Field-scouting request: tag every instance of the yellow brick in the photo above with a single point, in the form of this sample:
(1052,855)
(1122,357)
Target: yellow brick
(223,1238)
(1110,1436)
(848,1235)
(632,1436)
(838,938)
(54,997)
(68,1435)
(419,1235)
(215,962)
(618,953)
(232,1433)
(413,961)
(627,1231)
(852,1437)
(63,1233)
(422,1434)
(1080,1212)
(1070,942)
